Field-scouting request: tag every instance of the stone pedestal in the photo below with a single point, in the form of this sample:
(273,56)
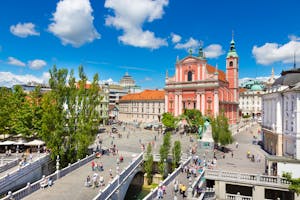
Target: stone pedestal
(157,178)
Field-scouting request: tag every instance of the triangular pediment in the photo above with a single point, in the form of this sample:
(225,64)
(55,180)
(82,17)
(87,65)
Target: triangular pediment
(189,59)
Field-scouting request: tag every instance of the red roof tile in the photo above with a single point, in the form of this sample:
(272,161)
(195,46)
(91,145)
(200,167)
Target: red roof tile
(210,69)
(145,95)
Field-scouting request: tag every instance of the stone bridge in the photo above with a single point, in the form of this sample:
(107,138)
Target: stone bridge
(117,189)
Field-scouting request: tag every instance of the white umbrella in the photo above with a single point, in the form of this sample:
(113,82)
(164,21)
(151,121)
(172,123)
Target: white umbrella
(21,142)
(7,142)
(35,143)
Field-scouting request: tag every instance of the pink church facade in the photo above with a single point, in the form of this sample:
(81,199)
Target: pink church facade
(198,85)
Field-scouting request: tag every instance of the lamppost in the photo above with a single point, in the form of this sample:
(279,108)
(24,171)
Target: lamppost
(57,166)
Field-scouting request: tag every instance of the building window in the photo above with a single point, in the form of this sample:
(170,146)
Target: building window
(230,63)
(190,76)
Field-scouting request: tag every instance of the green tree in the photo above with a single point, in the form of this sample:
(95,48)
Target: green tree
(176,154)
(70,119)
(220,130)
(6,110)
(21,115)
(169,120)
(164,152)
(54,126)
(193,118)
(295,182)
(148,165)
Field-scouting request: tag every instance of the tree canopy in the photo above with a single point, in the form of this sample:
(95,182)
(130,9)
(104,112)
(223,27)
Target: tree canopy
(70,119)
(169,120)
(220,130)
(295,182)
(194,119)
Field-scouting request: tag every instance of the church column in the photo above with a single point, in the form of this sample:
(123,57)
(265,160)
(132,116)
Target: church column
(176,105)
(198,101)
(216,103)
(180,104)
(203,102)
(166,102)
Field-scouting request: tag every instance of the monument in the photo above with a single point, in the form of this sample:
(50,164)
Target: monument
(205,140)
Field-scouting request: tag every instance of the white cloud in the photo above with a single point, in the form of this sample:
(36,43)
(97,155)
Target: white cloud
(294,37)
(270,53)
(213,51)
(73,22)
(16,62)
(129,16)
(36,64)
(110,81)
(9,79)
(191,43)
(23,30)
(175,38)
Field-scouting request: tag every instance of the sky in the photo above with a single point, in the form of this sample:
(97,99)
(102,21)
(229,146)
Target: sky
(144,37)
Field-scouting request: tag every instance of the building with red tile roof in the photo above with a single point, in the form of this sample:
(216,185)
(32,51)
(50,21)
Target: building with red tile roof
(198,85)
(146,106)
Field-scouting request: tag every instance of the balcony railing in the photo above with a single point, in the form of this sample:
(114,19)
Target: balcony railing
(247,178)
(237,197)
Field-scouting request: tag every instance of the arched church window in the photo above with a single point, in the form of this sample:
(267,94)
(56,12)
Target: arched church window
(230,63)
(190,76)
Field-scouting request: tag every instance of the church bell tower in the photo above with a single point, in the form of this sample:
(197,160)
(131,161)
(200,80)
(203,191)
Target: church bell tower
(232,70)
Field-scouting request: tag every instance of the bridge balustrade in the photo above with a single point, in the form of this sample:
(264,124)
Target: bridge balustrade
(169,179)
(115,184)
(20,172)
(30,188)
(237,197)
(259,179)
(9,165)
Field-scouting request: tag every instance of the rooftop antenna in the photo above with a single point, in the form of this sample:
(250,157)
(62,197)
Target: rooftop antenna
(232,35)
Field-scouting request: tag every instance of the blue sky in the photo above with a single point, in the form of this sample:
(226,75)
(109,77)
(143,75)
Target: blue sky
(143,37)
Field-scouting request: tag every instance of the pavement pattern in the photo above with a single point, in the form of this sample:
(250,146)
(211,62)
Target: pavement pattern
(72,186)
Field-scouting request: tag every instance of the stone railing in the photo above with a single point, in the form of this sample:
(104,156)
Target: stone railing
(237,197)
(199,180)
(112,187)
(256,179)
(20,172)
(76,165)
(30,188)
(9,165)
(169,179)
(208,193)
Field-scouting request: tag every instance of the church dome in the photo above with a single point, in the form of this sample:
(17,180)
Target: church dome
(127,81)
(257,87)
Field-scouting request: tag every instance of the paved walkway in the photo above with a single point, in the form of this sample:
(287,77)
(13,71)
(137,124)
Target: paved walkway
(182,179)
(72,185)
(239,162)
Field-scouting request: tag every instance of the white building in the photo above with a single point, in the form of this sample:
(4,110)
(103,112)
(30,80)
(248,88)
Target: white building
(251,101)
(147,106)
(281,121)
